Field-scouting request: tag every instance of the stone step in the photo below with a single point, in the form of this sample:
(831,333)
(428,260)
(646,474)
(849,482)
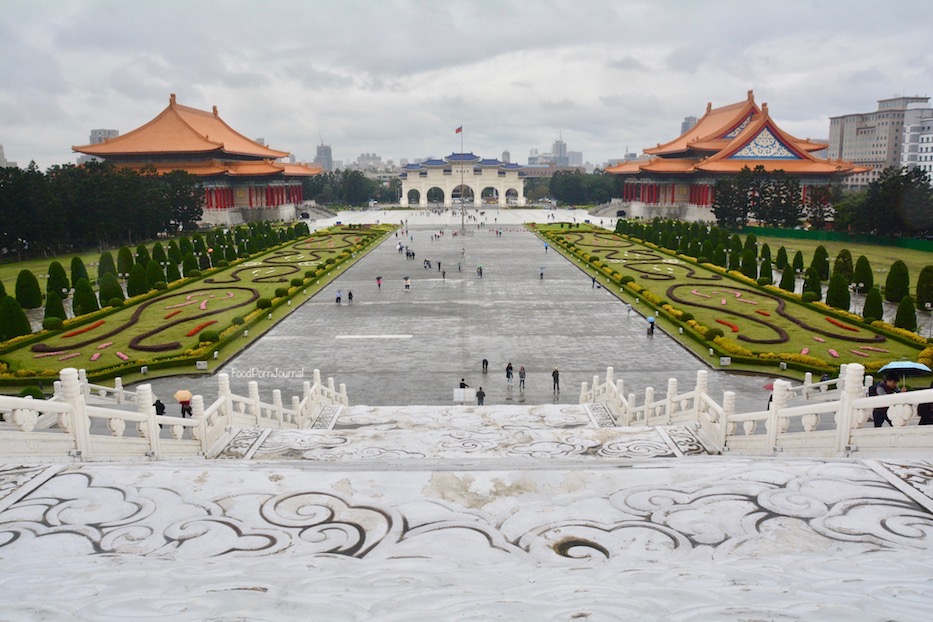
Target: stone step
(393,445)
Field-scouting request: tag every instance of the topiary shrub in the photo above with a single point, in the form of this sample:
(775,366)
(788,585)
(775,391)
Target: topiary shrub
(28,294)
(897,285)
(844,265)
(136,284)
(797,263)
(330,261)
(208,336)
(193,274)
(54,307)
(685,317)
(154,274)
(263,303)
(281,292)
(125,261)
(763,280)
(820,262)
(115,302)
(13,321)
(628,278)
(309,274)
(52,323)
(712,333)
(874,307)
(296,282)
(837,296)
(142,255)
(906,317)
(160,285)
(104,266)
(85,301)
(58,281)
(863,277)
(810,297)
(33,391)
(110,287)
(221,263)
(812,284)
(925,287)
(780,262)
(238,321)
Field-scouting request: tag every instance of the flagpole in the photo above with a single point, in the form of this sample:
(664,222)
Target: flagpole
(462,189)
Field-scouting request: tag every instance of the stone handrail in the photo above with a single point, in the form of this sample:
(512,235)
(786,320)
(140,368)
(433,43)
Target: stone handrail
(137,434)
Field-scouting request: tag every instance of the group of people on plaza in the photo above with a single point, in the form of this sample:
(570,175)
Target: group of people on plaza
(889,386)
(510,380)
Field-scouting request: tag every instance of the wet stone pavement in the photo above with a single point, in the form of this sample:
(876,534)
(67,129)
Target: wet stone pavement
(396,347)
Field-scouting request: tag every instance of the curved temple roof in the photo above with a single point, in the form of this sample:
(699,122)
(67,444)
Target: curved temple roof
(182,130)
(729,138)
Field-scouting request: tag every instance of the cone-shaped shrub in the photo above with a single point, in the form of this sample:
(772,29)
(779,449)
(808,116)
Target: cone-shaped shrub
(110,288)
(28,294)
(751,242)
(812,283)
(766,272)
(136,284)
(78,270)
(2,290)
(897,285)
(788,280)
(158,253)
(142,255)
(84,299)
(906,314)
(106,267)
(797,263)
(171,272)
(58,281)
(843,265)
(174,255)
(925,288)
(765,252)
(874,307)
(154,274)
(54,306)
(837,296)
(13,321)
(189,264)
(184,245)
(749,263)
(821,262)
(863,277)
(780,262)
(125,262)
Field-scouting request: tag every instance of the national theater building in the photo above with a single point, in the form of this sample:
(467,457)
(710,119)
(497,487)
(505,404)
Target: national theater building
(242,179)
(677,180)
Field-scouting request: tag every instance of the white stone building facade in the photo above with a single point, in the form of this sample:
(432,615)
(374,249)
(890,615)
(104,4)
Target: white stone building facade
(917,146)
(462,176)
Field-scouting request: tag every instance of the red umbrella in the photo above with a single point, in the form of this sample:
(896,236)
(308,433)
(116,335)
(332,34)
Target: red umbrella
(768,387)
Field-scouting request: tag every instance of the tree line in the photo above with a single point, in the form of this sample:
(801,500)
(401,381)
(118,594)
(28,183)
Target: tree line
(899,202)
(95,205)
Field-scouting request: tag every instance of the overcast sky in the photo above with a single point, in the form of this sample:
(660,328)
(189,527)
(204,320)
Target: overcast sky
(396,77)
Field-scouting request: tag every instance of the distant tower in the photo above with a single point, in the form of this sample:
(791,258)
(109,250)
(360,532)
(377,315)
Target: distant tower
(97,137)
(324,157)
(559,151)
(688,123)
(506,156)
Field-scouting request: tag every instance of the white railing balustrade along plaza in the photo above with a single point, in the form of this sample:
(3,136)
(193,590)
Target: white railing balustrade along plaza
(61,428)
(829,421)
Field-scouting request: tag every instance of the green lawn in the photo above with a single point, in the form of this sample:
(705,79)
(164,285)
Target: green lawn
(751,317)
(167,325)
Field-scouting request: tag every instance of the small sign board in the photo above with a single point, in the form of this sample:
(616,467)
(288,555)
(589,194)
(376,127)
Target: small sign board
(725,360)
(201,365)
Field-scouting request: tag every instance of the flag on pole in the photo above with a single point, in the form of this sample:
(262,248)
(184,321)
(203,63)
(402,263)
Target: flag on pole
(459,130)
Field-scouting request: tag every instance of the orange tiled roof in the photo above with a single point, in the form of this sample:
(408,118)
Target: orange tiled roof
(207,168)
(302,169)
(730,138)
(182,129)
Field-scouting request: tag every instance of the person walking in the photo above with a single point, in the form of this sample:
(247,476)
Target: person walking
(350,296)
(379,282)
(508,374)
(186,409)
(480,396)
(888,386)
(407,283)
(338,296)
(651,325)
(521,378)
(485,366)
(556,376)
(463,384)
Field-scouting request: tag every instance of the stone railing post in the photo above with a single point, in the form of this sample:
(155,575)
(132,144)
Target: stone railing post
(777,425)
(85,387)
(597,388)
(317,380)
(277,405)
(77,422)
(309,400)
(57,389)
(701,389)
(296,406)
(852,389)
(610,376)
(331,391)
(649,405)
(628,417)
(148,429)
(807,383)
(584,393)
(226,409)
(669,398)
(253,397)
(726,427)
(199,432)
(118,391)
(343,395)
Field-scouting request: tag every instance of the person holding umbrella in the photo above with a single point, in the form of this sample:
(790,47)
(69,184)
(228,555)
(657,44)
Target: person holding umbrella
(886,387)
(650,325)
(183,396)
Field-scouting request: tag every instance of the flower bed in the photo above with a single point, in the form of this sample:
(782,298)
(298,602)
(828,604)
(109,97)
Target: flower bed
(731,326)
(194,331)
(836,322)
(85,329)
(172,314)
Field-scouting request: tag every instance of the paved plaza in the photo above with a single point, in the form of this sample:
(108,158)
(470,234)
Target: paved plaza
(396,347)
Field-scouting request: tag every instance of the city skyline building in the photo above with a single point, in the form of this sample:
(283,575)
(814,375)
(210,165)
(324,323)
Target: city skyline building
(687,124)
(917,143)
(4,163)
(872,140)
(324,157)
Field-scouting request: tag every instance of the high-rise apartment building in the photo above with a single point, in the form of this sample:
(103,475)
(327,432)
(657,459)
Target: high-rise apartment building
(506,157)
(96,138)
(324,157)
(917,145)
(872,139)
(687,124)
